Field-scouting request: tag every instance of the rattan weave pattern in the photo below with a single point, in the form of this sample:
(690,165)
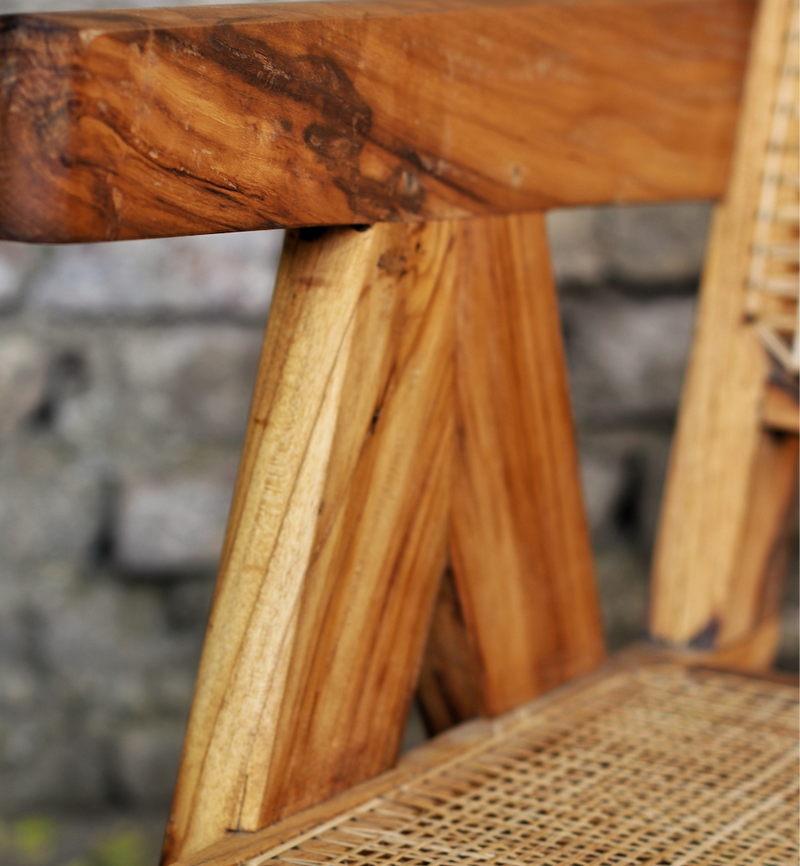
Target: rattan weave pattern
(662,765)
(772,298)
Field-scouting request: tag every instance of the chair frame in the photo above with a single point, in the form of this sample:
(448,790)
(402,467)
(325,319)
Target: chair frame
(411,414)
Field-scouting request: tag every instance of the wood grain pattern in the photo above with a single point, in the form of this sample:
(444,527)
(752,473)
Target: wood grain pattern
(708,520)
(449,682)
(761,559)
(337,536)
(385,347)
(172,122)
(520,547)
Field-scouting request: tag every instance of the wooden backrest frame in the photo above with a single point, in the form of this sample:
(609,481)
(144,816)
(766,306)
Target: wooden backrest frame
(411,415)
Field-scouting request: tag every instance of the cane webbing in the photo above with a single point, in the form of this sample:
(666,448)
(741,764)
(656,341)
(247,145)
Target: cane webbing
(772,300)
(664,765)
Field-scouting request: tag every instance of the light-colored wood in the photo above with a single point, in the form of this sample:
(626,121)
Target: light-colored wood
(312,651)
(172,122)
(520,547)
(708,511)
(755,594)
(381,539)
(337,536)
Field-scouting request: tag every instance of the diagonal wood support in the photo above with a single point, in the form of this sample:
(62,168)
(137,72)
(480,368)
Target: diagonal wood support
(520,548)
(411,400)
(337,535)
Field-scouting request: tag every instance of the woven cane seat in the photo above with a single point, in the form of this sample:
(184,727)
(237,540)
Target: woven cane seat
(659,765)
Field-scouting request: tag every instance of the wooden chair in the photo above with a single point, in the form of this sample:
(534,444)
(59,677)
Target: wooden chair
(410,456)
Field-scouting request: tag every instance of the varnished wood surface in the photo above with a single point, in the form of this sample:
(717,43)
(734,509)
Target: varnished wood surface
(714,568)
(154,123)
(756,590)
(411,411)
(337,537)
(520,548)
(449,687)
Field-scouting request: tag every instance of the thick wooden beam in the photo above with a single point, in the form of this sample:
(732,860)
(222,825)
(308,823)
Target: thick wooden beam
(337,537)
(172,122)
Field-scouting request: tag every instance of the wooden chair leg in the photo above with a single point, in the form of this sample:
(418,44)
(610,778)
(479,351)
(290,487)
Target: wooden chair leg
(757,580)
(337,536)
(732,480)
(711,476)
(520,549)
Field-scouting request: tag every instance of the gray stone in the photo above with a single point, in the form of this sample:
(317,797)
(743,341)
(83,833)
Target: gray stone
(622,578)
(626,354)
(602,479)
(194,382)
(50,506)
(148,762)
(624,472)
(23,379)
(219,275)
(654,243)
(172,524)
(57,773)
(93,418)
(575,251)
(107,663)
(635,244)
(102,642)
(788,656)
(17,261)
(18,675)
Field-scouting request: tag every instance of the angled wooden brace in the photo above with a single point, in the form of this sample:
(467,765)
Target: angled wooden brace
(388,438)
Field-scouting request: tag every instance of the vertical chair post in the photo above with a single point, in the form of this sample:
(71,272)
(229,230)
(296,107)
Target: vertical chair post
(337,535)
(733,477)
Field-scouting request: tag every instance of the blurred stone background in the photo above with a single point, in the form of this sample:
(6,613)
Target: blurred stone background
(125,378)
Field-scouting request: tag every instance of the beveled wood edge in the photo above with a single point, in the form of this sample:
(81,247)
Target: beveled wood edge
(451,746)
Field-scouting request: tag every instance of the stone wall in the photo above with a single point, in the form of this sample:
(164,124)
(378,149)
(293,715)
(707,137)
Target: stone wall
(125,375)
